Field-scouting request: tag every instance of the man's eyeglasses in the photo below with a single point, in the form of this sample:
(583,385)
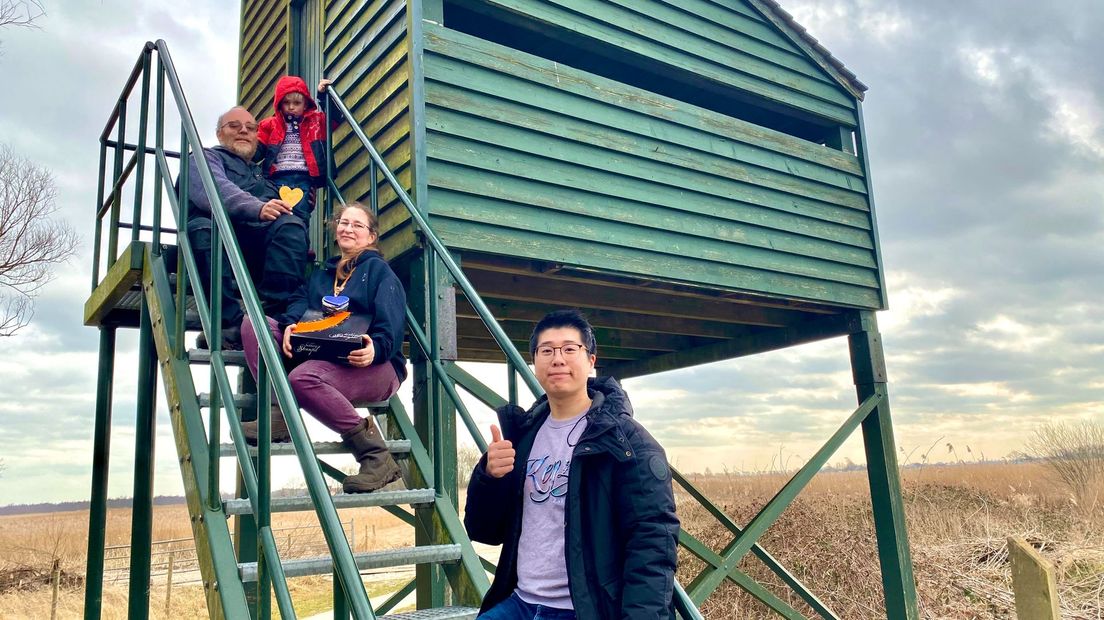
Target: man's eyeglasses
(568,350)
(357,226)
(237,126)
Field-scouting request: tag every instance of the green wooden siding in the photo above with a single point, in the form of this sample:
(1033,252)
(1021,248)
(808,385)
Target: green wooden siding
(529,158)
(366,52)
(728,43)
(263,53)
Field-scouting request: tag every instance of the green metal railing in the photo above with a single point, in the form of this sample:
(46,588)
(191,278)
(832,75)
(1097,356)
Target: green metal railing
(271,372)
(516,365)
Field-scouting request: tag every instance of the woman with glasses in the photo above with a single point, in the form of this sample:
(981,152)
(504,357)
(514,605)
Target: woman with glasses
(327,389)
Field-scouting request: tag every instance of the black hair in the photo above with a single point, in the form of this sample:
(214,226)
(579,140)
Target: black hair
(569,317)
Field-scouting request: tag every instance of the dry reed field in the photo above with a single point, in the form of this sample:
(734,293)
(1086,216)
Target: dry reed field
(958,517)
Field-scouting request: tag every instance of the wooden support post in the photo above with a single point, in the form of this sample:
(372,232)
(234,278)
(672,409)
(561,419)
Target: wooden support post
(1033,582)
(56,578)
(868,369)
(168,584)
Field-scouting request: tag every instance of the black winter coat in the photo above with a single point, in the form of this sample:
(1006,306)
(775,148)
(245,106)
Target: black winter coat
(374,292)
(621,531)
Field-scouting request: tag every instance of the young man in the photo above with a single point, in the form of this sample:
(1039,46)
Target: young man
(577,493)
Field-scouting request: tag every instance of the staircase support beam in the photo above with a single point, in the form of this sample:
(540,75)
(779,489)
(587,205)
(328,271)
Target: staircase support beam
(141,527)
(97,509)
(868,368)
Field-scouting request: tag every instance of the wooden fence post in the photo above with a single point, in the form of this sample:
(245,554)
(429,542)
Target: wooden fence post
(57,584)
(1032,582)
(168,583)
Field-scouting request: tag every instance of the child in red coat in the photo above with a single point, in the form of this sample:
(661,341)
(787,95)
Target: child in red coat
(292,143)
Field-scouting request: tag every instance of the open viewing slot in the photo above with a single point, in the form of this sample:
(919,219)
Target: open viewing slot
(559,44)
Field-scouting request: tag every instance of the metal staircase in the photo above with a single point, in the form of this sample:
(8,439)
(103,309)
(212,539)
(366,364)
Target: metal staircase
(145,285)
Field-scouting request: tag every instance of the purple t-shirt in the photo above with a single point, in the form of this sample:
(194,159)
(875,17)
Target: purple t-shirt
(542,566)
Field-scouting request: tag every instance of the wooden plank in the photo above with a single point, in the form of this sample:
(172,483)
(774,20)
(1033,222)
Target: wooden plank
(519,331)
(608,150)
(123,274)
(629,261)
(344,24)
(488,347)
(714,219)
(569,294)
(1033,582)
(741,20)
(476,52)
(650,24)
(486,93)
(370,40)
(729,35)
(759,342)
(544,15)
(531,312)
(636,179)
(663,243)
(271,28)
(532,174)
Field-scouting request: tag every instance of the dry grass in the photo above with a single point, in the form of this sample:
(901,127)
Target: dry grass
(958,519)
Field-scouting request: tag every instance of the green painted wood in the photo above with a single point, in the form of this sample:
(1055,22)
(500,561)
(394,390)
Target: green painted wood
(775,219)
(662,242)
(655,24)
(883,474)
(1033,582)
(263,53)
(737,182)
(550,110)
(537,245)
(599,90)
(751,344)
(602,21)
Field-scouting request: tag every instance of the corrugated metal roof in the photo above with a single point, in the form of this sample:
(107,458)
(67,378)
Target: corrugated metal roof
(841,71)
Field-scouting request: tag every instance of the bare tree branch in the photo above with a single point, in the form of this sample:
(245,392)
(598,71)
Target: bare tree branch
(20,13)
(32,239)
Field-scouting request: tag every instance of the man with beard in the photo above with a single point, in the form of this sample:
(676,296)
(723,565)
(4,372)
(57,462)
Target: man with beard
(272,240)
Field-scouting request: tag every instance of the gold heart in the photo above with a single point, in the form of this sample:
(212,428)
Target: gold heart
(291,196)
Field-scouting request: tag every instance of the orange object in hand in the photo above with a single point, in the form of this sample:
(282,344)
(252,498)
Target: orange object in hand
(318,325)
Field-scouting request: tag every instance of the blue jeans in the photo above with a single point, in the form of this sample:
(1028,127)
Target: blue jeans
(514,608)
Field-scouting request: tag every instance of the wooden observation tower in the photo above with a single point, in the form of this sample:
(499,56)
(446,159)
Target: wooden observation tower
(692,174)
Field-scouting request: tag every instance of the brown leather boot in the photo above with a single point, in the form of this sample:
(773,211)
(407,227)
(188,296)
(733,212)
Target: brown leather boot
(377,467)
(280,432)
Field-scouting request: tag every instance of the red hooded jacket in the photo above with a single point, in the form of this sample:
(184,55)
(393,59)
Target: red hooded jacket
(312,130)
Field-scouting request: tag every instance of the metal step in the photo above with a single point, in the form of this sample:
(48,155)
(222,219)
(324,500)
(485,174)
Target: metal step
(241,401)
(399,448)
(341,500)
(441,613)
(406,556)
(203,356)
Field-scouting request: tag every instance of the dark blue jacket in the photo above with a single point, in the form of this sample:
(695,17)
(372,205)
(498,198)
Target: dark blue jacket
(374,292)
(621,531)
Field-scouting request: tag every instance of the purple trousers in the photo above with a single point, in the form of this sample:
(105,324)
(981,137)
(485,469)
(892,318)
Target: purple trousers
(327,390)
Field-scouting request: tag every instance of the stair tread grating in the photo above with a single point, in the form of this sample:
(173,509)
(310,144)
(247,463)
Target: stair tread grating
(340,500)
(440,613)
(323,565)
(398,447)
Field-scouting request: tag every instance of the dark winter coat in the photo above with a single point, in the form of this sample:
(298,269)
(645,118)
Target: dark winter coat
(312,131)
(621,531)
(240,184)
(374,292)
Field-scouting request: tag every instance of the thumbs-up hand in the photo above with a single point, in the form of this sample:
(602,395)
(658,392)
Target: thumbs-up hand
(500,454)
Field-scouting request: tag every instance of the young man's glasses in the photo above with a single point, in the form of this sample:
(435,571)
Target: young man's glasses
(357,226)
(568,350)
(237,126)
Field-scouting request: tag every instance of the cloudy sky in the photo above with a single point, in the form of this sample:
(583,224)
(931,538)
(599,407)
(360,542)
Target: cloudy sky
(986,129)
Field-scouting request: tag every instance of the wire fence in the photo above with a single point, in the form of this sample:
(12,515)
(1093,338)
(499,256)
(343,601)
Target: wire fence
(174,561)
